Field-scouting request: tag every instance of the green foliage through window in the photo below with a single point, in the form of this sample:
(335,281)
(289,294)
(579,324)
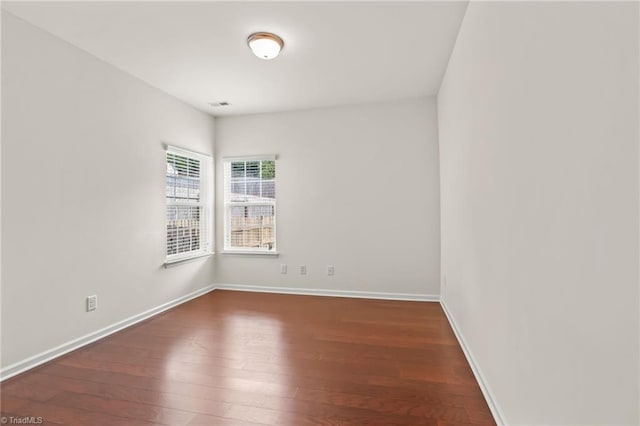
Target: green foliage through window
(268,169)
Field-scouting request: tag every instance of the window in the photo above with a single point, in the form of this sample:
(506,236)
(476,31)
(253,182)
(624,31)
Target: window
(188,197)
(250,204)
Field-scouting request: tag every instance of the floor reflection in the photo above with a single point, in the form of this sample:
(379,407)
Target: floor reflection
(234,359)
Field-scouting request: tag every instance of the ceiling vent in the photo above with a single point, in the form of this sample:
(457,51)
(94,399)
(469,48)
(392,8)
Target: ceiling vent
(219,104)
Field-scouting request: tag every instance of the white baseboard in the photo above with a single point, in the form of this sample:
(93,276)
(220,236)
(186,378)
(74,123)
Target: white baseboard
(50,354)
(41,358)
(484,387)
(333,293)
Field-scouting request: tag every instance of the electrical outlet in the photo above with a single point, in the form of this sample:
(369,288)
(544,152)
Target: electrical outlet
(92,303)
(283,268)
(303,269)
(330,270)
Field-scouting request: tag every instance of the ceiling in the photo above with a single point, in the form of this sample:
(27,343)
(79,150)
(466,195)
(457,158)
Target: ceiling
(335,52)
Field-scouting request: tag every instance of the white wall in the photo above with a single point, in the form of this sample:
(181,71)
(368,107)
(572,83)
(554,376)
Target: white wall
(83,192)
(357,188)
(538,122)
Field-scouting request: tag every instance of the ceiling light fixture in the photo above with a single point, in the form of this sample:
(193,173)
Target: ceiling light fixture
(265,45)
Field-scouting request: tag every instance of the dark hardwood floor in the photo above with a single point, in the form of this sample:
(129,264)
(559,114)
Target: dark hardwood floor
(235,358)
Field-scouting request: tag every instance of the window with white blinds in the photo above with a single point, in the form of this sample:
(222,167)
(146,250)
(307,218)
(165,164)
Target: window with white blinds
(188,198)
(250,204)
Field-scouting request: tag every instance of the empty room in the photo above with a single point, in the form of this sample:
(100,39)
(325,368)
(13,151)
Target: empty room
(320,213)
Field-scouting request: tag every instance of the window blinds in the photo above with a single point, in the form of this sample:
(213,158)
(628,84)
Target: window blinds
(188,204)
(250,203)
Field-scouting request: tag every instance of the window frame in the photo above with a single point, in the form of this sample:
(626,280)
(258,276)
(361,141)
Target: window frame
(227,248)
(205,203)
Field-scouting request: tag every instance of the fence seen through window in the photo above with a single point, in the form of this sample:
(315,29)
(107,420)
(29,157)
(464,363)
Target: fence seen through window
(250,208)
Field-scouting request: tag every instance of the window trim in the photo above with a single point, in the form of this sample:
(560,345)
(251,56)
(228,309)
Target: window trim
(251,252)
(227,205)
(207,236)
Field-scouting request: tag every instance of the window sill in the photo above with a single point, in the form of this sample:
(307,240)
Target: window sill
(176,262)
(251,252)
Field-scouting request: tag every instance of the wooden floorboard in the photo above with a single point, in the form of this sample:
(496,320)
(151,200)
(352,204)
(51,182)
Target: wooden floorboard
(239,358)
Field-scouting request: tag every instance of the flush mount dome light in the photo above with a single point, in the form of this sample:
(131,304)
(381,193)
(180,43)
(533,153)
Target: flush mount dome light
(265,45)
